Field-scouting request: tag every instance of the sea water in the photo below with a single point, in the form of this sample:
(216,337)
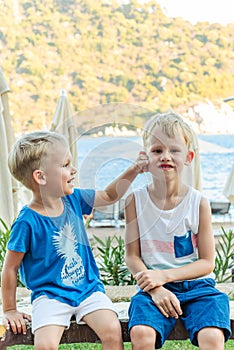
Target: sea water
(101,159)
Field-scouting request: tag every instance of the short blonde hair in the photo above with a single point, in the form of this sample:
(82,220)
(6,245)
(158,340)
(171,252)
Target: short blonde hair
(170,123)
(27,152)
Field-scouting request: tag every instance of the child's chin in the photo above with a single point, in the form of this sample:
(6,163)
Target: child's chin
(70,191)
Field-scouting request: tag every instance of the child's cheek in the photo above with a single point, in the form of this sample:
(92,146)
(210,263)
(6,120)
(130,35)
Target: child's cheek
(150,166)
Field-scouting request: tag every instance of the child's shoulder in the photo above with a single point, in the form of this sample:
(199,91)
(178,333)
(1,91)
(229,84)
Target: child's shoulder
(25,213)
(24,218)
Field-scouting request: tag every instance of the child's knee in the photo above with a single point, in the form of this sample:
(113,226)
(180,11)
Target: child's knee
(116,329)
(48,337)
(112,332)
(210,338)
(45,344)
(143,335)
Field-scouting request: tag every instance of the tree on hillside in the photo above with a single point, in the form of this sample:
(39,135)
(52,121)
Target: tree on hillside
(107,52)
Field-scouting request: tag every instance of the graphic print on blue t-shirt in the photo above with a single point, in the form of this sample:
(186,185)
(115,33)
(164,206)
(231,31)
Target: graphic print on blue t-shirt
(66,245)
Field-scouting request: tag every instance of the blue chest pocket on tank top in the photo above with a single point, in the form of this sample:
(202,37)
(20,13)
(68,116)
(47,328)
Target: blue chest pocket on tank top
(183,245)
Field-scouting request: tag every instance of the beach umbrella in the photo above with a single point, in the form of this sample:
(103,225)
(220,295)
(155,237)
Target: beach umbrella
(8,186)
(227,99)
(63,123)
(229,186)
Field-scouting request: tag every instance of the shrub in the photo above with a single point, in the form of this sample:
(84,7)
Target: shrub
(224,257)
(4,237)
(114,271)
(111,263)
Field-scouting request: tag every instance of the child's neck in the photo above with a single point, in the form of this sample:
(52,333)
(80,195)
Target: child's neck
(168,197)
(47,206)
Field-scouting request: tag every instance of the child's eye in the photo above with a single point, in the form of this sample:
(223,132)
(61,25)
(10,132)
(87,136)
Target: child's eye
(158,151)
(174,150)
(66,165)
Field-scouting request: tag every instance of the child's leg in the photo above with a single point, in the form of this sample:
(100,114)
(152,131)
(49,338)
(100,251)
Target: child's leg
(210,338)
(143,337)
(107,326)
(48,337)
(148,327)
(49,319)
(205,313)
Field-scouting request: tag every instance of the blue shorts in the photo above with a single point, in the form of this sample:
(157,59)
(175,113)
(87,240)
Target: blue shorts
(202,304)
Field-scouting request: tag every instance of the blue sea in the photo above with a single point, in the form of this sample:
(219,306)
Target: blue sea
(101,159)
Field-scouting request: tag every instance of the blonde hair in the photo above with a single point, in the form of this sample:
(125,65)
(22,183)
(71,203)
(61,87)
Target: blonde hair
(27,152)
(170,123)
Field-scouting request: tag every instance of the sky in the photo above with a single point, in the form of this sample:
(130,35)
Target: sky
(221,11)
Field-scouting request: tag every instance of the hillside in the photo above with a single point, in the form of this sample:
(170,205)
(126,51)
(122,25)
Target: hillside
(105,53)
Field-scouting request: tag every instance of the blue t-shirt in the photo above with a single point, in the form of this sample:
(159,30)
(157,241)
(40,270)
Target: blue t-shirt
(58,260)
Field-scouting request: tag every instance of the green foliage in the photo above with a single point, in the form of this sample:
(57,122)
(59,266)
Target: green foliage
(114,271)
(224,257)
(4,237)
(110,260)
(169,345)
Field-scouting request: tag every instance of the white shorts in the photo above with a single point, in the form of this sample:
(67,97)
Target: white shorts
(46,311)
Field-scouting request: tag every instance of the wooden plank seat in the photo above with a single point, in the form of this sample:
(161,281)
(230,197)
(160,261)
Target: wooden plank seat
(82,333)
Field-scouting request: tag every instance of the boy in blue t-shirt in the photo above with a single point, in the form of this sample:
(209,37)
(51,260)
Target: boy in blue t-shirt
(49,245)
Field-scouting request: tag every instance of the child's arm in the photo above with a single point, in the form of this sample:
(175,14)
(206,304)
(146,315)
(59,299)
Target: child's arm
(166,301)
(132,240)
(11,316)
(203,266)
(116,189)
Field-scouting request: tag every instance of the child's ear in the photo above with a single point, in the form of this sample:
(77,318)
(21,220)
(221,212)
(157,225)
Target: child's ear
(189,158)
(39,177)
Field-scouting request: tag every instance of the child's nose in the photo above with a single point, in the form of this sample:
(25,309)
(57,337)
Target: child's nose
(165,155)
(74,170)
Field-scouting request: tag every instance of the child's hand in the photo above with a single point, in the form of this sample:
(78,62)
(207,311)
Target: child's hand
(166,301)
(16,320)
(142,162)
(149,279)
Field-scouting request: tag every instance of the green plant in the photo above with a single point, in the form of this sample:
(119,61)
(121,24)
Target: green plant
(87,220)
(110,260)
(224,257)
(4,237)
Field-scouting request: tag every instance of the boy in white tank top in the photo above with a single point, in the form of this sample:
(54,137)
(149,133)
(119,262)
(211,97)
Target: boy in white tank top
(170,247)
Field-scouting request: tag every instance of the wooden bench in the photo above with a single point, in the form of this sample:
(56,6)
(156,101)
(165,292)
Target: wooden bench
(82,333)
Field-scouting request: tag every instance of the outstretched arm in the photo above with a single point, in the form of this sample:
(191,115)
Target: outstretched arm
(115,190)
(11,316)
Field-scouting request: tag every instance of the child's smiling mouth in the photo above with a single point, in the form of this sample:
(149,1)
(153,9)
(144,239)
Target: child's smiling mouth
(71,180)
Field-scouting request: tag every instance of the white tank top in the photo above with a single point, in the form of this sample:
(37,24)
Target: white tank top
(168,238)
